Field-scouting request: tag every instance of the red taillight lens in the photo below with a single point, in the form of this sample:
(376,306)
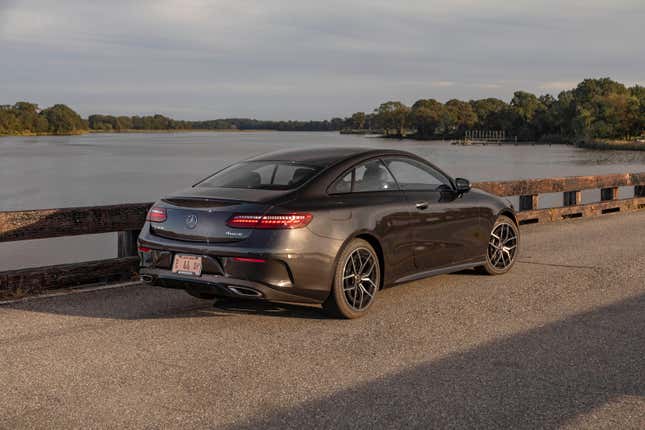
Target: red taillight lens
(156,214)
(249,260)
(293,220)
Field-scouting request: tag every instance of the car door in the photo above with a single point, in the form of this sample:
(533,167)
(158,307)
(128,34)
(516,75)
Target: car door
(445,225)
(377,206)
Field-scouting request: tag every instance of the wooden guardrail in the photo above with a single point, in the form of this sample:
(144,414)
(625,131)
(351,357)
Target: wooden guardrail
(127,220)
(571,188)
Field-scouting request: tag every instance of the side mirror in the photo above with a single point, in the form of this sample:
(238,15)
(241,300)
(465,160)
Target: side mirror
(463,185)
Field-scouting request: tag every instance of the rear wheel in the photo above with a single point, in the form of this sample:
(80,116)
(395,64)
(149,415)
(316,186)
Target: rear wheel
(502,246)
(356,281)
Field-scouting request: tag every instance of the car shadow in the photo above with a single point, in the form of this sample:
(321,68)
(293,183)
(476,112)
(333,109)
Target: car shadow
(270,309)
(470,272)
(141,301)
(582,370)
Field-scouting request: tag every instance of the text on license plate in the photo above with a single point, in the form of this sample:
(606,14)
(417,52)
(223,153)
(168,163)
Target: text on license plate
(187,265)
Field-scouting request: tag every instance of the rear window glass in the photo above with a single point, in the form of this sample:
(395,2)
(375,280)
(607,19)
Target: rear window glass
(268,175)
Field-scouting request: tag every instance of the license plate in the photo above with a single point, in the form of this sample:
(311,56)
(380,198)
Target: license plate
(187,265)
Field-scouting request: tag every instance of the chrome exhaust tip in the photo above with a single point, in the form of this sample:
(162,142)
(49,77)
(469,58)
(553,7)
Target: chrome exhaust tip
(146,278)
(244,291)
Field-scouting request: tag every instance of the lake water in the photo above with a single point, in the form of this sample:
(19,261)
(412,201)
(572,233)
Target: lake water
(63,171)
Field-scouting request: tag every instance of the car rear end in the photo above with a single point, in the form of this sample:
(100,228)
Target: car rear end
(235,242)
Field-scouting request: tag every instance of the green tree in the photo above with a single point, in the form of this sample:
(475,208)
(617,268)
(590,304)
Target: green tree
(637,126)
(124,123)
(426,116)
(62,119)
(603,107)
(458,117)
(524,108)
(357,121)
(492,114)
(9,122)
(27,116)
(392,116)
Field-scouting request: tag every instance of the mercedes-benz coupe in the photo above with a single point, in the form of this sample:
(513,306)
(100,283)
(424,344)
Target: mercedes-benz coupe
(330,226)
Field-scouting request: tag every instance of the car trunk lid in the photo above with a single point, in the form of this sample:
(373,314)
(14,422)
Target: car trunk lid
(198,216)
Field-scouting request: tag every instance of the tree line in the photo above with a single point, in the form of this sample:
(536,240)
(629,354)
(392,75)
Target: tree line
(596,108)
(26,118)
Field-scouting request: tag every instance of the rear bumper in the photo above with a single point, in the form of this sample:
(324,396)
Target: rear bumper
(223,286)
(297,265)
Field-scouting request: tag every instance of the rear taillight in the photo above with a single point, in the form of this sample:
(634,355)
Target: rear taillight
(249,260)
(156,214)
(292,220)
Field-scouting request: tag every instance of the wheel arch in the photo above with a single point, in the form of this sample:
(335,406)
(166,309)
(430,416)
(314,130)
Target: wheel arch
(509,213)
(375,242)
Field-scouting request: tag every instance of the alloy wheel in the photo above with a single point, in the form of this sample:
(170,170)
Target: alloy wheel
(360,278)
(502,246)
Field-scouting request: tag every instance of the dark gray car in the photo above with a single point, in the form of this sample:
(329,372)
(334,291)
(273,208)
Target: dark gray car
(329,226)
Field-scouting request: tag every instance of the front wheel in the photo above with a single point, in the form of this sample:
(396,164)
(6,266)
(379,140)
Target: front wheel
(356,281)
(502,246)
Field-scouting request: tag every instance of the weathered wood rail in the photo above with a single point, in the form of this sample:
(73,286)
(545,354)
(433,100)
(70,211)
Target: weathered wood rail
(571,188)
(127,220)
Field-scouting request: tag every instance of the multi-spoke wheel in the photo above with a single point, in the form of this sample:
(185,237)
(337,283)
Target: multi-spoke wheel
(502,246)
(357,280)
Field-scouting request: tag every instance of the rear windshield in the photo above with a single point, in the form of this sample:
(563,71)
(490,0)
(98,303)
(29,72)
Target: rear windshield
(266,175)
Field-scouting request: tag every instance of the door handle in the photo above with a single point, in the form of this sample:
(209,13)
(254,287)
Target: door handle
(421,205)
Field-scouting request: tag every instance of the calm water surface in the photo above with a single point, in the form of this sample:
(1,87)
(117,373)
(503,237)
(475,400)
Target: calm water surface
(44,172)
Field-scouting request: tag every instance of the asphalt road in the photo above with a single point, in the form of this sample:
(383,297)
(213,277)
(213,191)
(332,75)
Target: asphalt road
(558,342)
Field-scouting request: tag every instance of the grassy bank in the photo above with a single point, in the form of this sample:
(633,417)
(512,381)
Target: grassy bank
(612,144)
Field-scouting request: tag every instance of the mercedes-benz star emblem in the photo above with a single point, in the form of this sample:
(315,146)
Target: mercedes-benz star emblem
(191,221)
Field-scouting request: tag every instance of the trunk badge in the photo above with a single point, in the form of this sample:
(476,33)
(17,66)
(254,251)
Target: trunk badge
(191,221)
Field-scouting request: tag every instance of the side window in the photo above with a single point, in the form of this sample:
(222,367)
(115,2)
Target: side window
(413,175)
(264,173)
(366,177)
(291,175)
(372,176)
(343,185)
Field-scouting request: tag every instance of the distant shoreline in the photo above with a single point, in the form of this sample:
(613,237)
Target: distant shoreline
(596,144)
(36,134)
(179,130)
(134,131)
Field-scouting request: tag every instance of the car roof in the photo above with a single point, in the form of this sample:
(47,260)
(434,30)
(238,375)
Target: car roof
(323,156)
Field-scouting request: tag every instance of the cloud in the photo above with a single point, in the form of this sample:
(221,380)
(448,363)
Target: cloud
(442,84)
(306,59)
(558,85)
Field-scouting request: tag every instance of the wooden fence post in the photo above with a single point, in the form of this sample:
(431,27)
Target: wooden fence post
(528,202)
(571,198)
(127,246)
(609,193)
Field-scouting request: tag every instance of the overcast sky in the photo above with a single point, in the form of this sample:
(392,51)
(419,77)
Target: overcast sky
(299,59)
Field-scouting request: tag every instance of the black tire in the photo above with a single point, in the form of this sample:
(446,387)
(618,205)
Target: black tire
(352,294)
(493,265)
(200,294)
